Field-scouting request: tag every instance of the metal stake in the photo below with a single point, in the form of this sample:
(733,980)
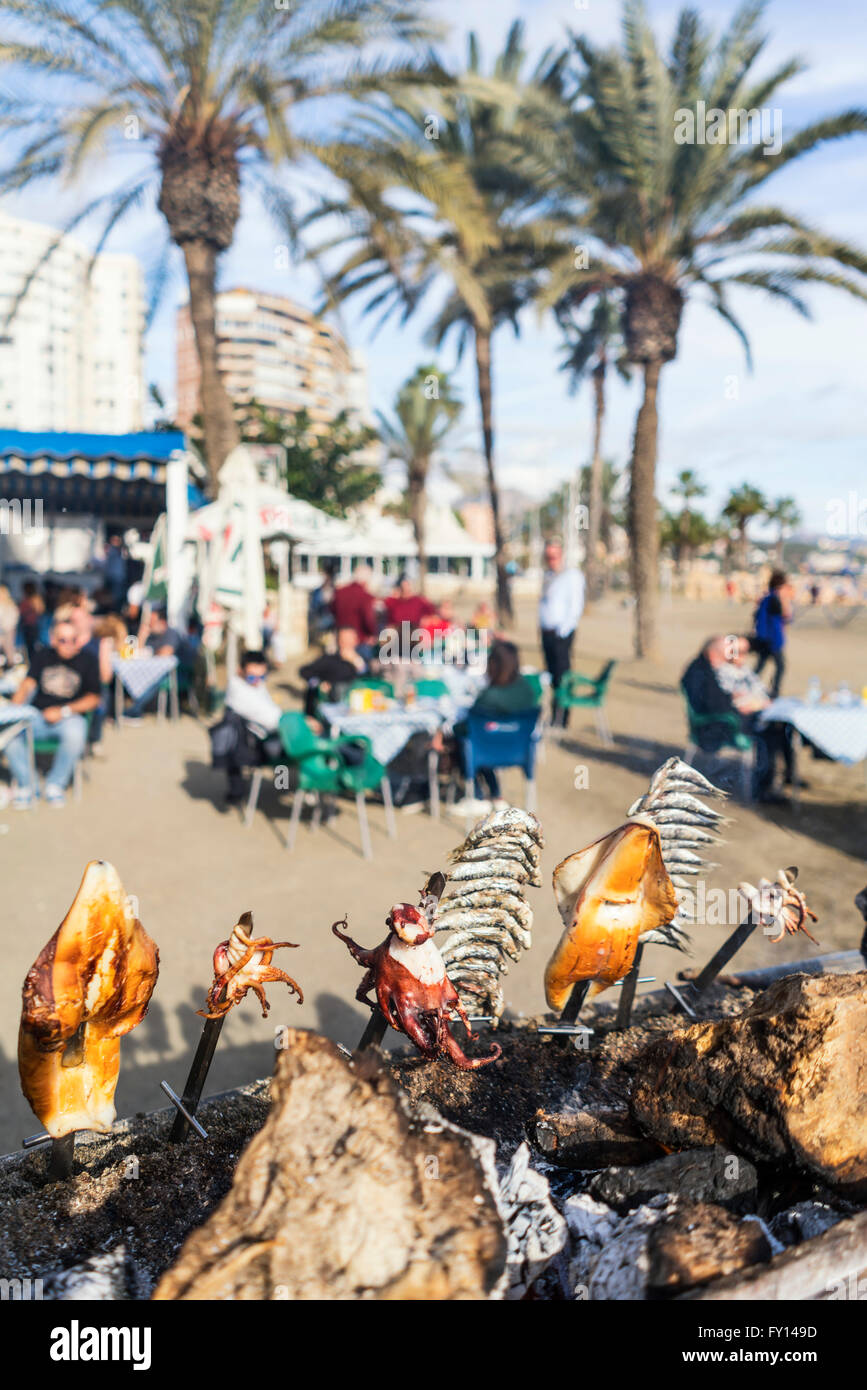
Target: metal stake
(730,946)
(567,1028)
(376,1029)
(627,993)
(195,1083)
(62,1151)
(183,1113)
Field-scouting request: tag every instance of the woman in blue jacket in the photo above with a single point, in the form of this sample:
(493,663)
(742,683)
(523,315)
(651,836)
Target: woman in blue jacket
(772,615)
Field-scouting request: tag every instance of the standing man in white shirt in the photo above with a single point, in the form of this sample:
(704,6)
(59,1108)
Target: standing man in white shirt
(560,609)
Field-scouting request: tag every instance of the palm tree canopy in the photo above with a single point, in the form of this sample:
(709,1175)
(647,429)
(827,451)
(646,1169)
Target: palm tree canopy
(785,512)
(743,504)
(193,95)
(439,199)
(592,341)
(661,217)
(425,410)
(688,486)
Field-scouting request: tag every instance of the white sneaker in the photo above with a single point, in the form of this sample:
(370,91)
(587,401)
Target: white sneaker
(22,799)
(54,796)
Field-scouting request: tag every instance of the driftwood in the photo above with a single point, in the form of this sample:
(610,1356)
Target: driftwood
(830,1266)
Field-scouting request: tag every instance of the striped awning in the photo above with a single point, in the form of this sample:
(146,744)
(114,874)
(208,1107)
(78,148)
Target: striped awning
(98,474)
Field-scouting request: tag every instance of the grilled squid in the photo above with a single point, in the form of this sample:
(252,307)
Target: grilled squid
(609,895)
(89,986)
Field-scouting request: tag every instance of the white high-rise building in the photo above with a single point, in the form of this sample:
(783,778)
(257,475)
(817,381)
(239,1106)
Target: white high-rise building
(71,359)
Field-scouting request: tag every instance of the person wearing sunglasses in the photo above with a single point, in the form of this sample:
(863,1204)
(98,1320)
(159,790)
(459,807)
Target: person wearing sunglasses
(62,685)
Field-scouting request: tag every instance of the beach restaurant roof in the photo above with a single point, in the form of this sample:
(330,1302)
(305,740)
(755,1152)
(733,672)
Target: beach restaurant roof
(99,474)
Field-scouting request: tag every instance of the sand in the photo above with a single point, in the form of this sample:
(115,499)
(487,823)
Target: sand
(152,807)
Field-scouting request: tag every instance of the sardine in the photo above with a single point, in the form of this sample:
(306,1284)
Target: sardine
(683,772)
(491,868)
(499,935)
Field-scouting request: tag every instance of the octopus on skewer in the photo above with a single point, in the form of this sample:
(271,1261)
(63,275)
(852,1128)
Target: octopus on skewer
(411,987)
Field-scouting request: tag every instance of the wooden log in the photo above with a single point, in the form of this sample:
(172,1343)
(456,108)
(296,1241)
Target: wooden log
(832,1265)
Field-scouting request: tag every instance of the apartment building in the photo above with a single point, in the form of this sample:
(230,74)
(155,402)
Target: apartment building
(71,359)
(276,353)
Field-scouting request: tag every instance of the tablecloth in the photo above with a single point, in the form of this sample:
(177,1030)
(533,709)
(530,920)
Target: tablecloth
(838,731)
(388,730)
(139,675)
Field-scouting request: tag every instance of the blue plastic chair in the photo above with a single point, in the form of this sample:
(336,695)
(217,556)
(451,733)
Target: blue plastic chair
(503,742)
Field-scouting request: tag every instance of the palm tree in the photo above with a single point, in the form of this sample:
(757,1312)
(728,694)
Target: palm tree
(474,222)
(685,533)
(688,488)
(425,411)
(200,98)
(784,511)
(591,346)
(663,217)
(744,503)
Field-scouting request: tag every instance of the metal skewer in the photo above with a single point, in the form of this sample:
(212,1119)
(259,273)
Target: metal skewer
(185,1116)
(730,947)
(195,1082)
(627,993)
(376,1029)
(62,1152)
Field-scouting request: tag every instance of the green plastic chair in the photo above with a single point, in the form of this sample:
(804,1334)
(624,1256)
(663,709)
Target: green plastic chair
(577,691)
(372,683)
(48,744)
(734,737)
(322,768)
(431,689)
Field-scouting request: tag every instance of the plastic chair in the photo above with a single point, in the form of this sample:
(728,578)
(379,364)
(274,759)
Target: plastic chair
(323,769)
(372,683)
(733,736)
(503,742)
(48,744)
(577,691)
(431,689)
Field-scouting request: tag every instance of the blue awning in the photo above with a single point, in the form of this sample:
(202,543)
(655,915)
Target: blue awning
(102,474)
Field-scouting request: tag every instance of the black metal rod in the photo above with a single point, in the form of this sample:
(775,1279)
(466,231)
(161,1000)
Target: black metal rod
(375,1031)
(730,947)
(571,1010)
(627,993)
(62,1152)
(192,1092)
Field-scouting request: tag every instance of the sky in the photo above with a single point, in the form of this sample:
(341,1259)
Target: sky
(793,426)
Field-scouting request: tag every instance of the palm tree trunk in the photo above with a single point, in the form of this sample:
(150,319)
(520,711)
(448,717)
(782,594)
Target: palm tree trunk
(220,430)
(417,507)
(643,527)
(591,563)
(483,374)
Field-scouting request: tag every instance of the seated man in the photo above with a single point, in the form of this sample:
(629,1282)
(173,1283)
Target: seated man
(718,682)
(62,684)
(160,640)
(333,669)
(159,637)
(247,735)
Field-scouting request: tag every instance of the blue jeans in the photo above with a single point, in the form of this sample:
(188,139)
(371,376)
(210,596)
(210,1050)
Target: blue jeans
(71,734)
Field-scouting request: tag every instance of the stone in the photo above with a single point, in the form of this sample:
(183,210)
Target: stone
(783,1082)
(696,1175)
(344,1195)
(700,1242)
(590,1138)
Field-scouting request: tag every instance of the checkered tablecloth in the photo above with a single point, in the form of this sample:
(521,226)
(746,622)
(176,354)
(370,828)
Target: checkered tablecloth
(838,731)
(388,730)
(140,675)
